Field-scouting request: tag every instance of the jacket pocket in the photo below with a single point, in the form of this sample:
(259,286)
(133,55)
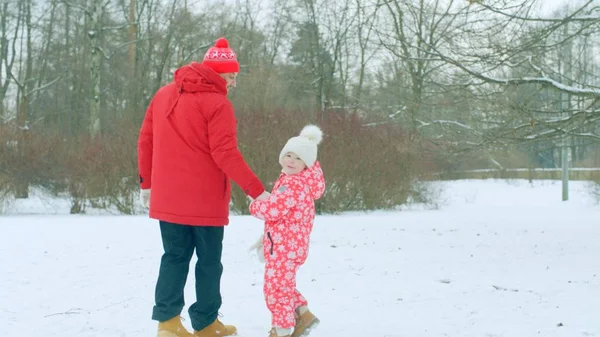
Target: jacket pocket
(271,241)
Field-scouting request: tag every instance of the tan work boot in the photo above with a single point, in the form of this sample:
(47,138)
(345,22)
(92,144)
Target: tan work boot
(173,328)
(216,329)
(304,324)
(273,333)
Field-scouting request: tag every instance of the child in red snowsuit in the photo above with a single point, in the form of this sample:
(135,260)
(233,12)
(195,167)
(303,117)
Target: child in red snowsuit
(289,213)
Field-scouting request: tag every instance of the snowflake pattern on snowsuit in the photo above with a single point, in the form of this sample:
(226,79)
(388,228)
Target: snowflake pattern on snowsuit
(289,213)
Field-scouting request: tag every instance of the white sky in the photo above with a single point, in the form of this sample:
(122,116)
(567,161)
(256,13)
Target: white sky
(547,6)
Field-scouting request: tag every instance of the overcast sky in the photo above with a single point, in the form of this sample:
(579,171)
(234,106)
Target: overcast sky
(547,6)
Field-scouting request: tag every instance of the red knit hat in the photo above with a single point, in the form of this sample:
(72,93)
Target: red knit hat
(221,59)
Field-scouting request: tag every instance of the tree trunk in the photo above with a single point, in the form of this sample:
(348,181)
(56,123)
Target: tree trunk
(132,38)
(4,51)
(94,99)
(22,188)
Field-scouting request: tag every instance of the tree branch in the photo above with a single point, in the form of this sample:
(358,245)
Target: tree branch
(572,17)
(576,91)
(42,87)
(70,4)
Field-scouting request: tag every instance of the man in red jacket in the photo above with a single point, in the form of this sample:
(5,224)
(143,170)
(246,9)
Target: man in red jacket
(187,152)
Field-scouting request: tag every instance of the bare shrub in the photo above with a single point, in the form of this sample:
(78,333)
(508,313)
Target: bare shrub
(26,159)
(366,166)
(102,172)
(98,173)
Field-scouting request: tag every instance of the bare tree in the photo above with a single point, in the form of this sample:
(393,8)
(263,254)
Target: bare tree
(366,18)
(278,30)
(94,12)
(490,65)
(24,88)
(132,36)
(322,49)
(417,29)
(8,49)
(316,56)
(94,34)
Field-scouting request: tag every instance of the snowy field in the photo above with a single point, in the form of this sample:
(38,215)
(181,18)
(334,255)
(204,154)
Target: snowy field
(496,259)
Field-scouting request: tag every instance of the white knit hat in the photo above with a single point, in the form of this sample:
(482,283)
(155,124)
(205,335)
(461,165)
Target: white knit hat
(304,145)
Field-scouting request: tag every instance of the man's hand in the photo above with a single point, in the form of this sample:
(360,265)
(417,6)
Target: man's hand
(264,196)
(145,198)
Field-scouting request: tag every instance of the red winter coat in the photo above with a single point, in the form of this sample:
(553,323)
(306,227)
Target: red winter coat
(187,150)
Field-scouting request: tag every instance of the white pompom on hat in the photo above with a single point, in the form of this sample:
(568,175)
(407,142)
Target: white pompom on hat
(304,145)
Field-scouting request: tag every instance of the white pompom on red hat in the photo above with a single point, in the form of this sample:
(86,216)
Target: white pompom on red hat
(304,145)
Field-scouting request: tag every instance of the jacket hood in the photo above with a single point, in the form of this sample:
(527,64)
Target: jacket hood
(315,180)
(196,77)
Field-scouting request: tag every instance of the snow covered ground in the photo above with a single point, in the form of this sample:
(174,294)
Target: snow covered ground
(497,259)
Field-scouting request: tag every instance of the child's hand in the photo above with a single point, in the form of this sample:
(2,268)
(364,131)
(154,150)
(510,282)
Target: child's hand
(264,196)
(258,247)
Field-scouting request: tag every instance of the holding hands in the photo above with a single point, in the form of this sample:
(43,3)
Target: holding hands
(263,196)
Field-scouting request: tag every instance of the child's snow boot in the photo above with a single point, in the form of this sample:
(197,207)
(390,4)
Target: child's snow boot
(216,329)
(173,328)
(305,322)
(273,333)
